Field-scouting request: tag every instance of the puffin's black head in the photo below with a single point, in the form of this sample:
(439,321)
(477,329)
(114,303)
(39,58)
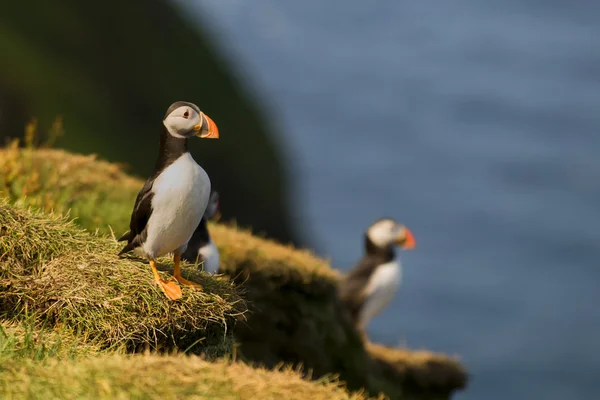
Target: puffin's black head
(184,120)
(386,233)
(213,205)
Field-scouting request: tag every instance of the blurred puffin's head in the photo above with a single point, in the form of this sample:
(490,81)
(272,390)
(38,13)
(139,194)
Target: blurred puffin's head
(386,233)
(184,120)
(213,205)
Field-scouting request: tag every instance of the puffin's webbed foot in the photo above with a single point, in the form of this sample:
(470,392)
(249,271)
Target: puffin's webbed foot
(169,288)
(177,274)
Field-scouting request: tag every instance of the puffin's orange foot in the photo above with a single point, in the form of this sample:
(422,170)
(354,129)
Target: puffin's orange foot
(185,282)
(170,289)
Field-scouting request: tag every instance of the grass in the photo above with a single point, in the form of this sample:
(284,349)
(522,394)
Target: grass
(70,278)
(160,378)
(96,193)
(70,285)
(36,365)
(24,340)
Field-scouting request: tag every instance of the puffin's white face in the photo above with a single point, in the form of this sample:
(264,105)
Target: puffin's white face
(387,233)
(186,121)
(181,122)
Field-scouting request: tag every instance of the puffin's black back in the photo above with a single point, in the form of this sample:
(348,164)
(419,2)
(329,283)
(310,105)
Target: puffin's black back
(351,288)
(199,239)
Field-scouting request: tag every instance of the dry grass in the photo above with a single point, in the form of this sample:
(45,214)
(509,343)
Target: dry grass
(67,277)
(281,265)
(158,377)
(43,364)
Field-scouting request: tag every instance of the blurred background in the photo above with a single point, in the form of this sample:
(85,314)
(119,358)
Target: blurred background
(474,123)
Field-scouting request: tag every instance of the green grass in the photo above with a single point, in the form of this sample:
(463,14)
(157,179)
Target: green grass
(275,304)
(25,341)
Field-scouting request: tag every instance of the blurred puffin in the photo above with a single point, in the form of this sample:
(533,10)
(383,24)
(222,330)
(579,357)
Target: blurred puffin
(201,248)
(171,203)
(371,285)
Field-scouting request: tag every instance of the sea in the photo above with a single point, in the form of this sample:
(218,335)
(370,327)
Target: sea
(474,123)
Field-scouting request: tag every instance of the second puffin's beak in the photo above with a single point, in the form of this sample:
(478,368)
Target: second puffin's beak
(405,239)
(208,129)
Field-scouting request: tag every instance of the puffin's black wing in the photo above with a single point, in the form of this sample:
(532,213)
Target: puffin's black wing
(351,288)
(139,218)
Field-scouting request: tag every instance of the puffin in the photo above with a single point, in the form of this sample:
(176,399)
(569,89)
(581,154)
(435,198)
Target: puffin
(201,248)
(174,198)
(370,286)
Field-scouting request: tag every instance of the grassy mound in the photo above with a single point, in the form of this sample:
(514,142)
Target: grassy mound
(32,370)
(73,283)
(420,373)
(297,318)
(70,278)
(295,312)
(160,378)
(97,193)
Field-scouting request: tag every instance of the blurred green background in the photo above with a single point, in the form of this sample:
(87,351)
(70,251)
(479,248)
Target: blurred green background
(110,70)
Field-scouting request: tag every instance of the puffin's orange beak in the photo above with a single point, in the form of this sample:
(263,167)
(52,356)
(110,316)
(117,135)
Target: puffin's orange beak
(208,129)
(406,240)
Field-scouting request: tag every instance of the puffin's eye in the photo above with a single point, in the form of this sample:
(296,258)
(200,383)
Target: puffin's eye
(186,114)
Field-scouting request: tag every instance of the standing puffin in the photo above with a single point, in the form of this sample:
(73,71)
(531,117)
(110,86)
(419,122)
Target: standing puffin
(371,285)
(201,248)
(172,201)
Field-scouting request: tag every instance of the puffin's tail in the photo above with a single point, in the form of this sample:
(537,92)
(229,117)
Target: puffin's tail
(130,246)
(134,242)
(126,236)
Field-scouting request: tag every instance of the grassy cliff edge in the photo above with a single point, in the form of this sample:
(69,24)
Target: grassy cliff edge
(279,307)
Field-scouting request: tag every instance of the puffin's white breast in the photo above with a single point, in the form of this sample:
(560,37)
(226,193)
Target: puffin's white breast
(210,255)
(181,195)
(381,288)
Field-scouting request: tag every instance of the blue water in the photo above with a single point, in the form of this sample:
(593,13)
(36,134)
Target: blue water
(477,124)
